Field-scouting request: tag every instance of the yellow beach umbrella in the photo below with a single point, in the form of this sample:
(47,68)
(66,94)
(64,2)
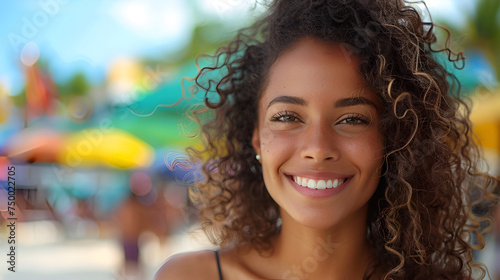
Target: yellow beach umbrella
(485,117)
(5,104)
(110,146)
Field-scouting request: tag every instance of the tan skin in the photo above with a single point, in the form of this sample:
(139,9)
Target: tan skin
(316,121)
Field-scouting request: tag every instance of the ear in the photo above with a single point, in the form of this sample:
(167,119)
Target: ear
(256,140)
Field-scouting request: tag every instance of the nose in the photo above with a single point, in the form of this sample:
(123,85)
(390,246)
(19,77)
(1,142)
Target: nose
(320,144)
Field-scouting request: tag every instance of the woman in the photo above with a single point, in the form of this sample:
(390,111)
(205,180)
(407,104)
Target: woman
(339,150)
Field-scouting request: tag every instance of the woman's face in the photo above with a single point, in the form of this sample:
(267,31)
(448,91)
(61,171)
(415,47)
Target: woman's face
(318,135)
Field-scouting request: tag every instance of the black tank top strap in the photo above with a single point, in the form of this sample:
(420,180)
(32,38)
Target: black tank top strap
(218,264)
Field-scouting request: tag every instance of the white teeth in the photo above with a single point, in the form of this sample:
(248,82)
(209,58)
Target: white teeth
(320,184)
(329,184)
(311,184)
(336,183)
(304,182)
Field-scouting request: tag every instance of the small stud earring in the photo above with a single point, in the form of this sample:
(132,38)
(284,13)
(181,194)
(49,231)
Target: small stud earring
(257,157)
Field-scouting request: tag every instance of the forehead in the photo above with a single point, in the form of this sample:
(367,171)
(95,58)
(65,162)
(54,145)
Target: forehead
(313,67)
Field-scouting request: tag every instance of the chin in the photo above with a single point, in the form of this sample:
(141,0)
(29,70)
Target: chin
(329,219)
(319,220)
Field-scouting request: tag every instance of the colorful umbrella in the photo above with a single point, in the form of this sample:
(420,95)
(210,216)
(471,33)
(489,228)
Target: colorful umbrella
(90,147)
(110,146)
(485,117)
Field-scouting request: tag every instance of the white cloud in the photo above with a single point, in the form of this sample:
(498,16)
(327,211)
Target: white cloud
(159,19)
(453,11)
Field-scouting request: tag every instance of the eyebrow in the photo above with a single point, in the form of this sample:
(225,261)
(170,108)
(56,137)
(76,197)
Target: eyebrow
(345,102)
(288,99)
(352,101)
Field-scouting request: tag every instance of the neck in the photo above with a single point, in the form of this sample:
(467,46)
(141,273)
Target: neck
(340,252)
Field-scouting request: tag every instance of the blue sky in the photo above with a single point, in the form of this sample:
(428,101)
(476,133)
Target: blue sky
(88,35)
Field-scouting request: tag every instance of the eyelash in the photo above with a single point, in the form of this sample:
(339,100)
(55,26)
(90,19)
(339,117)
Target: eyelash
(279,115)
(357,118)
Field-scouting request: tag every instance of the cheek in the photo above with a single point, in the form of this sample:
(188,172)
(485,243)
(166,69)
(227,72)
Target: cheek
(276,149)
(274,143)
(367,150)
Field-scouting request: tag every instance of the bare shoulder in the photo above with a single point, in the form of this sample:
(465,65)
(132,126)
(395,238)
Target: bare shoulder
(192,265)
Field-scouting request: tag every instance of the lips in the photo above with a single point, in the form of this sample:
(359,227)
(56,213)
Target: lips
(318,184)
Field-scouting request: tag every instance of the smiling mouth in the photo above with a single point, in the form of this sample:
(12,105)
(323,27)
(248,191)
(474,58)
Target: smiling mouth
(318,184)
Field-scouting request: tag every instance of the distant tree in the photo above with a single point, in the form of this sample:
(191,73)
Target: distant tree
(19,99)
(481,31)
(78,84)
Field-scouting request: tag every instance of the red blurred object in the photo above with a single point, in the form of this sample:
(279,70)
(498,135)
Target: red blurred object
(4,163)
(36,146)
(40,92)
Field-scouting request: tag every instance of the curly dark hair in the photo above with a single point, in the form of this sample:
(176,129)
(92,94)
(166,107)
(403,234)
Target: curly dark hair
(420,222)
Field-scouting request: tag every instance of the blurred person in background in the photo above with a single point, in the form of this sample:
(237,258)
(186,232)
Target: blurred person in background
(490,256)
(158,210)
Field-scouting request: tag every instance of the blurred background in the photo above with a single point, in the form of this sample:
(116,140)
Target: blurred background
(93,102)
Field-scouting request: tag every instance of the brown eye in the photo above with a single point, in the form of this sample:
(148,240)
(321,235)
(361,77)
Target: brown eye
(355,120)
(285,117)
(352,125)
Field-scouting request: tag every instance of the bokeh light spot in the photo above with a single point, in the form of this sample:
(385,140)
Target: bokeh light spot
(30,54)
(140,183)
